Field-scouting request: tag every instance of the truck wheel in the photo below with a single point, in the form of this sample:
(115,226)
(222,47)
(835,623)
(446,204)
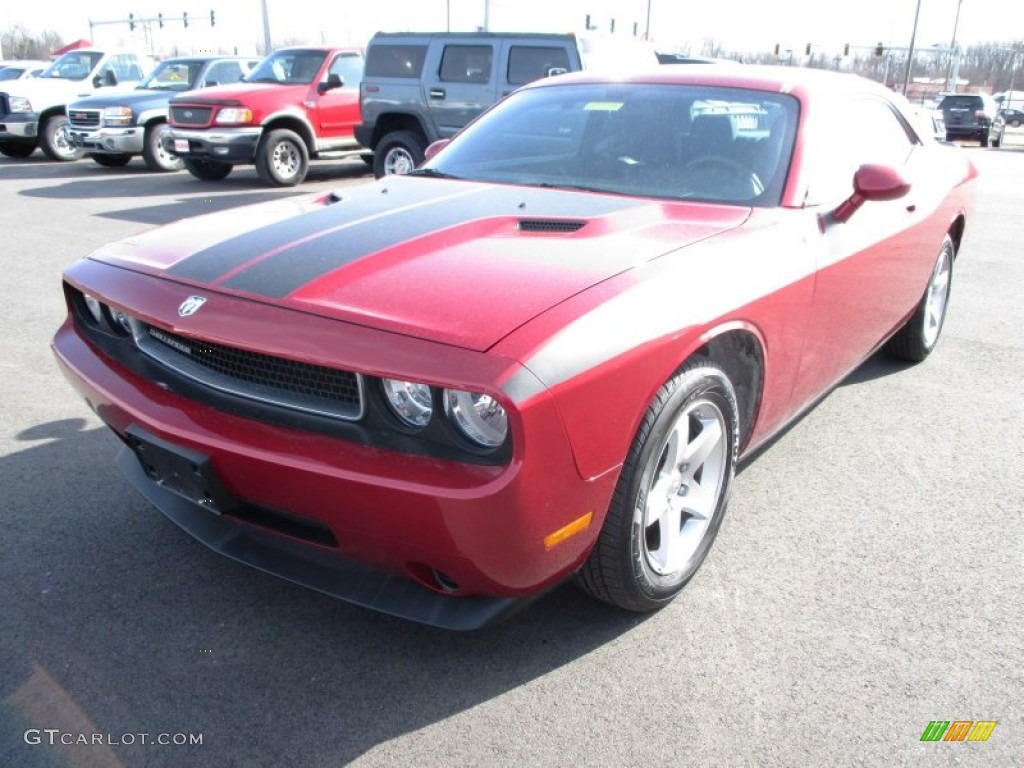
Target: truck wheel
(208,170)
(153,153)
(54,142)
(282,159)
(112,161)
(16,149)
(398,152)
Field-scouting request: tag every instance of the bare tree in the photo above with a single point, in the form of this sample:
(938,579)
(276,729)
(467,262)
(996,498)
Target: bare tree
(18,43)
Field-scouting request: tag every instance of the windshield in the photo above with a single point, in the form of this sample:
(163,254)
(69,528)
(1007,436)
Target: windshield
(667,141)
(73,66)
(10,73)
(173,76)
(288,67)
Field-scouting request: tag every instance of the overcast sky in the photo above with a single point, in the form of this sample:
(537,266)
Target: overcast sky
(740,25)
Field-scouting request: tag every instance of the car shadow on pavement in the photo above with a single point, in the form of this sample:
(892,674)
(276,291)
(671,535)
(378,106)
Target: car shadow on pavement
(116,622)
(195,206)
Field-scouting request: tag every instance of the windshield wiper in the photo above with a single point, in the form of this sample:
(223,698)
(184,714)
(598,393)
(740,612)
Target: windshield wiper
(432,173)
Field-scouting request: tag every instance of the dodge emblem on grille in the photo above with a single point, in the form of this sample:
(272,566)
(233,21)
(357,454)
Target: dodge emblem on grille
(191,305)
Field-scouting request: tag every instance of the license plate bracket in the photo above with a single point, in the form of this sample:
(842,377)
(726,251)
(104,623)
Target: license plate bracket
(188,473)
(181,145)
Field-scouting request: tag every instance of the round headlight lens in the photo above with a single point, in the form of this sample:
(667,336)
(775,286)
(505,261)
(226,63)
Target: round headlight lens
(94,307)
(479,417)
(412,403)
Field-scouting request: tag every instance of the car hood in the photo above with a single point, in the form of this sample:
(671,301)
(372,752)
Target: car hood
(135,98)
(450,261)
(43,92)
(237,93)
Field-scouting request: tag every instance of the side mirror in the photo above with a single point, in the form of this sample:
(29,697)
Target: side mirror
(434,148)
(109,77)
(876,183)
(334,80)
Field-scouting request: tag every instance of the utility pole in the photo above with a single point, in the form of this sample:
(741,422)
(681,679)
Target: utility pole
(267,45)
(647,28)
(950,75)
(910,54)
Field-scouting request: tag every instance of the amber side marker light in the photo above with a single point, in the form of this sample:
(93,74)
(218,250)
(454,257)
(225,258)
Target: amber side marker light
(552,540)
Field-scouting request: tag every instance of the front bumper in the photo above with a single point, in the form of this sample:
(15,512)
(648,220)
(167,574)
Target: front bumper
(19,126)
(370,526)
(120,141)
(225,145)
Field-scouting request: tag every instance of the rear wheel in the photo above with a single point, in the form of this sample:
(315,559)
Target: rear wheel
(16,149)
(983,139)
(112,161)
(672,493)
(397,153)
(919,335)
(282,159)
(153,153)
(208,170)
(54,141)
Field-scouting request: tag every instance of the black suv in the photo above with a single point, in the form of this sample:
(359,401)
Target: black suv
(968,116)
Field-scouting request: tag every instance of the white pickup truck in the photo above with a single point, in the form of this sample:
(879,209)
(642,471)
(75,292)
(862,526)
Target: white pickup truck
(33,111)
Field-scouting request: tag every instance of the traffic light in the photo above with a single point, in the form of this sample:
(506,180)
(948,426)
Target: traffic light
(776,49)
(131,21)
(213,19)
(807,50)
(160,20)
(879,50)
(846,50)
(612,30)
(184,18)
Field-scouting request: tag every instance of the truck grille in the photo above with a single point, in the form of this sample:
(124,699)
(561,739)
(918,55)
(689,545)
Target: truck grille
(190,115)
(84,118)
(266,378)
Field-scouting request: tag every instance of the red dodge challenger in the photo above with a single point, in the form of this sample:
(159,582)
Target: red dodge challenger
(538,356)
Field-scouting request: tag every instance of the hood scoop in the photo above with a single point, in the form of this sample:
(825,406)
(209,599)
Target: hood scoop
(551,226)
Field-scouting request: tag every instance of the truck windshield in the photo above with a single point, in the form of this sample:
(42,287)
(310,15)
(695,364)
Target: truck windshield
(73,66)
(288,68)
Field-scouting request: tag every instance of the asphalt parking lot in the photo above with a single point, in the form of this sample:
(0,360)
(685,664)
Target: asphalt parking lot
(866,582)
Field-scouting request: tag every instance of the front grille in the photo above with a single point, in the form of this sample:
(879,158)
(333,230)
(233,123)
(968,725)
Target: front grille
(269,379)
(190,115)
(84,118)
(550,225)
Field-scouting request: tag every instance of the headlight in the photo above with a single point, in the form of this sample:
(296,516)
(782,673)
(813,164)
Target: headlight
(479,417)
(233,115)
(117,116)
(94,307)
(19,104)
(412,403)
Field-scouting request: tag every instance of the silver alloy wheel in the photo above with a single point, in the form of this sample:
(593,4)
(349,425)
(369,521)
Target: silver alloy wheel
(938,296)
(399,161)
(286,159)
(165,158)
(684,481)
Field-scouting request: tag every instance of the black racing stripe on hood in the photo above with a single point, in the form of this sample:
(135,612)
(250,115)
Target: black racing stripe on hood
(211,263)
(289,270)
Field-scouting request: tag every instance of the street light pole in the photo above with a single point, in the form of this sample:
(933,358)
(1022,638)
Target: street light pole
(955,52)
(267,46)
(647,28)
(910,53)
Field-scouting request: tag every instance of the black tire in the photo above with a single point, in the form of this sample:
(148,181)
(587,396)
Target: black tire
(111,161)
(208,170)
(282,159)
(996,140)
(153,153)
(916,339)
(397,153)
(983,140)
(54,143)
(16,149)
(625,568)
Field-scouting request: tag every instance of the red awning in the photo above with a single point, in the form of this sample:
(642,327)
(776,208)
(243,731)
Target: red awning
(73,47)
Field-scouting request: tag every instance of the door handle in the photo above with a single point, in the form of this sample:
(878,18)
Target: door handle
(437,93)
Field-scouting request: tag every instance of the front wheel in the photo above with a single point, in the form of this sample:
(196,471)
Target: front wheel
(153,153)
(672,493)
(397,153)
(996,140)
(111,161)
(54,141)
(919,335)
(16,149)
(208,170)
(282,159)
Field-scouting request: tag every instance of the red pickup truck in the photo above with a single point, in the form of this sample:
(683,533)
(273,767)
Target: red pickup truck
(299,103)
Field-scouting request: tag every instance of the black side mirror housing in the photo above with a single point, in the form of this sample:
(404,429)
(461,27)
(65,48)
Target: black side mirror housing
(334,80)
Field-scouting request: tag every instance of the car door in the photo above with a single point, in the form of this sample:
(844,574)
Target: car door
(871,269)
(464,84)
(338,108)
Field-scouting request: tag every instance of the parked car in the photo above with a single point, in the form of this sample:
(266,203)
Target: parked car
(299,103)
(1007,128)
(32,111)
(968,116)
(112,128)
(22,70)
(422,87)
(537,357)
